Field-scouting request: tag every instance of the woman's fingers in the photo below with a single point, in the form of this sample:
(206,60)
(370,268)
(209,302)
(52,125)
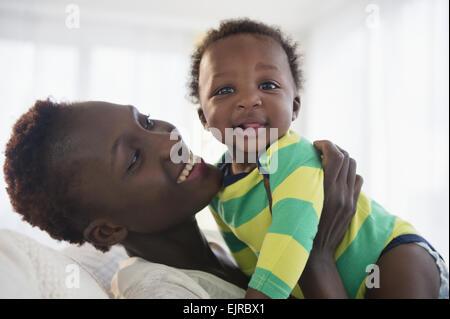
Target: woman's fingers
(332,158)
(357,189)
(343,174)
(351,173)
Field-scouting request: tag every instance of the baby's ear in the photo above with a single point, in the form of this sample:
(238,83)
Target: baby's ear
(296,105)
(202,117)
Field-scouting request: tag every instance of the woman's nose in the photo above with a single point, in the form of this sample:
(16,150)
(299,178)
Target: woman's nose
(172,147)
(164,127)
(249,98)
(162,139)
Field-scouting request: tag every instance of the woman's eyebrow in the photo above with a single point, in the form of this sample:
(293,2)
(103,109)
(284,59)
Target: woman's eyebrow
(114,148)
(119,140)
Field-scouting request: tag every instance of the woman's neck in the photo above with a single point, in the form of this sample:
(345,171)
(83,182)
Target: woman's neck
(184,247)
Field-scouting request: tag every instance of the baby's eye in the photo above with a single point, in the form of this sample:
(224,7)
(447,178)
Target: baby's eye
(225,90)
(268,86)
(149,123)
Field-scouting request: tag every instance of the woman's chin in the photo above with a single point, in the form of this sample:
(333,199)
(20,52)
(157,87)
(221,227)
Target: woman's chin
(204,186)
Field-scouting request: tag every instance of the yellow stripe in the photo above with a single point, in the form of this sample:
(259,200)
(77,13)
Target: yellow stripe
(246,260)
(305,183)
(362,289)
(220,223)
(297,292)
(242,186)
(401,227)
(251,232)
(289,138)
(284,257)
(362,211)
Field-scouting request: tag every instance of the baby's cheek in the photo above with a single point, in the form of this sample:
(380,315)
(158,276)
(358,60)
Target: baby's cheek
(218,133)
(282,121)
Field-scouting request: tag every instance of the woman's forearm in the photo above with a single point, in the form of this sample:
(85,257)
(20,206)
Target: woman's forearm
(321,280)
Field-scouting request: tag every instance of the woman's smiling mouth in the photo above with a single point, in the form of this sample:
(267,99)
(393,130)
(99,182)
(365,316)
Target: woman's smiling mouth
(195,164)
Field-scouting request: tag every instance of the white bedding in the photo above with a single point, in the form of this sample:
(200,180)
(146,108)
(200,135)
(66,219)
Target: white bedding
(31,270)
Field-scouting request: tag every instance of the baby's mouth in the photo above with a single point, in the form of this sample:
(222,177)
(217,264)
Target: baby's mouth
(252,125)
(250,129)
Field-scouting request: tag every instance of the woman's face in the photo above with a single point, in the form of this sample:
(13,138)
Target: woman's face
(126,171)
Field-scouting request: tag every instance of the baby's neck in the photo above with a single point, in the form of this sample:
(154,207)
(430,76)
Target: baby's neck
(237,168)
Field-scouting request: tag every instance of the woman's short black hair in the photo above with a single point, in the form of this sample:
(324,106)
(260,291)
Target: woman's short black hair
(39,189)
(243,26)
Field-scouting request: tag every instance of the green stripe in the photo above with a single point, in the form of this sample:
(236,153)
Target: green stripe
(269,284)
(290,158)
(297,218)
(365,248)
(238,211)
(233,243)
(214,204)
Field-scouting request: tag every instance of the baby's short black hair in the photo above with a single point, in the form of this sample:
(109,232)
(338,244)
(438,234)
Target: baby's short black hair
(244,26)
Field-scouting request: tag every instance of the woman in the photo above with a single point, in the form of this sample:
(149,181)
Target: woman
(103,173)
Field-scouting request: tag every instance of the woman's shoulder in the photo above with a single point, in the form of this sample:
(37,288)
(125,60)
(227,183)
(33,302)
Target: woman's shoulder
(139,278)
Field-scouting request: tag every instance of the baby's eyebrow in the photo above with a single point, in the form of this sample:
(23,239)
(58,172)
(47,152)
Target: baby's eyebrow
(222,74)
(262,66)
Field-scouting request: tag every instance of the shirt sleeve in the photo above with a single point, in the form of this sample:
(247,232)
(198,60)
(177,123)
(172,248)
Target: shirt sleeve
(297,199)
(242,254)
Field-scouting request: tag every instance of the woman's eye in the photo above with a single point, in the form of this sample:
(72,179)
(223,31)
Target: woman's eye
(134,160)
(268,86)
(226,90)
(149,123)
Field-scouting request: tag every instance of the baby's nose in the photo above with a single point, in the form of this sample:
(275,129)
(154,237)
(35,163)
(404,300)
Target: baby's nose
(249,98)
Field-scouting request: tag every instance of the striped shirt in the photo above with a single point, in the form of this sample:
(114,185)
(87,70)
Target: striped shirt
(272,244)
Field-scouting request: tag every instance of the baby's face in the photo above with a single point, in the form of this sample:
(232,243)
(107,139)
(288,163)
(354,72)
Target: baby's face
(245,84)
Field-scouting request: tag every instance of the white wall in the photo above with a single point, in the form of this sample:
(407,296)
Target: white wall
(377,85)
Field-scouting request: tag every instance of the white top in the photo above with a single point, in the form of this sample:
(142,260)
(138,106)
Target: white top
(141,279)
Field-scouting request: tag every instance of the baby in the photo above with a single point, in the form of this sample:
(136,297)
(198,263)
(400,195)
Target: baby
(246,77)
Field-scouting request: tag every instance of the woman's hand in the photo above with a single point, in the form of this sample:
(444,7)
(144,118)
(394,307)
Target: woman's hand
(320,278)
(341,191)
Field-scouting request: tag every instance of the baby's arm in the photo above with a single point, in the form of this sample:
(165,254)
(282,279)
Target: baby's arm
(297,200)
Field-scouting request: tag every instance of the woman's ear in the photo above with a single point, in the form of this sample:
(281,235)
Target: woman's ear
(202,117)
(102,232)
(296,105)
